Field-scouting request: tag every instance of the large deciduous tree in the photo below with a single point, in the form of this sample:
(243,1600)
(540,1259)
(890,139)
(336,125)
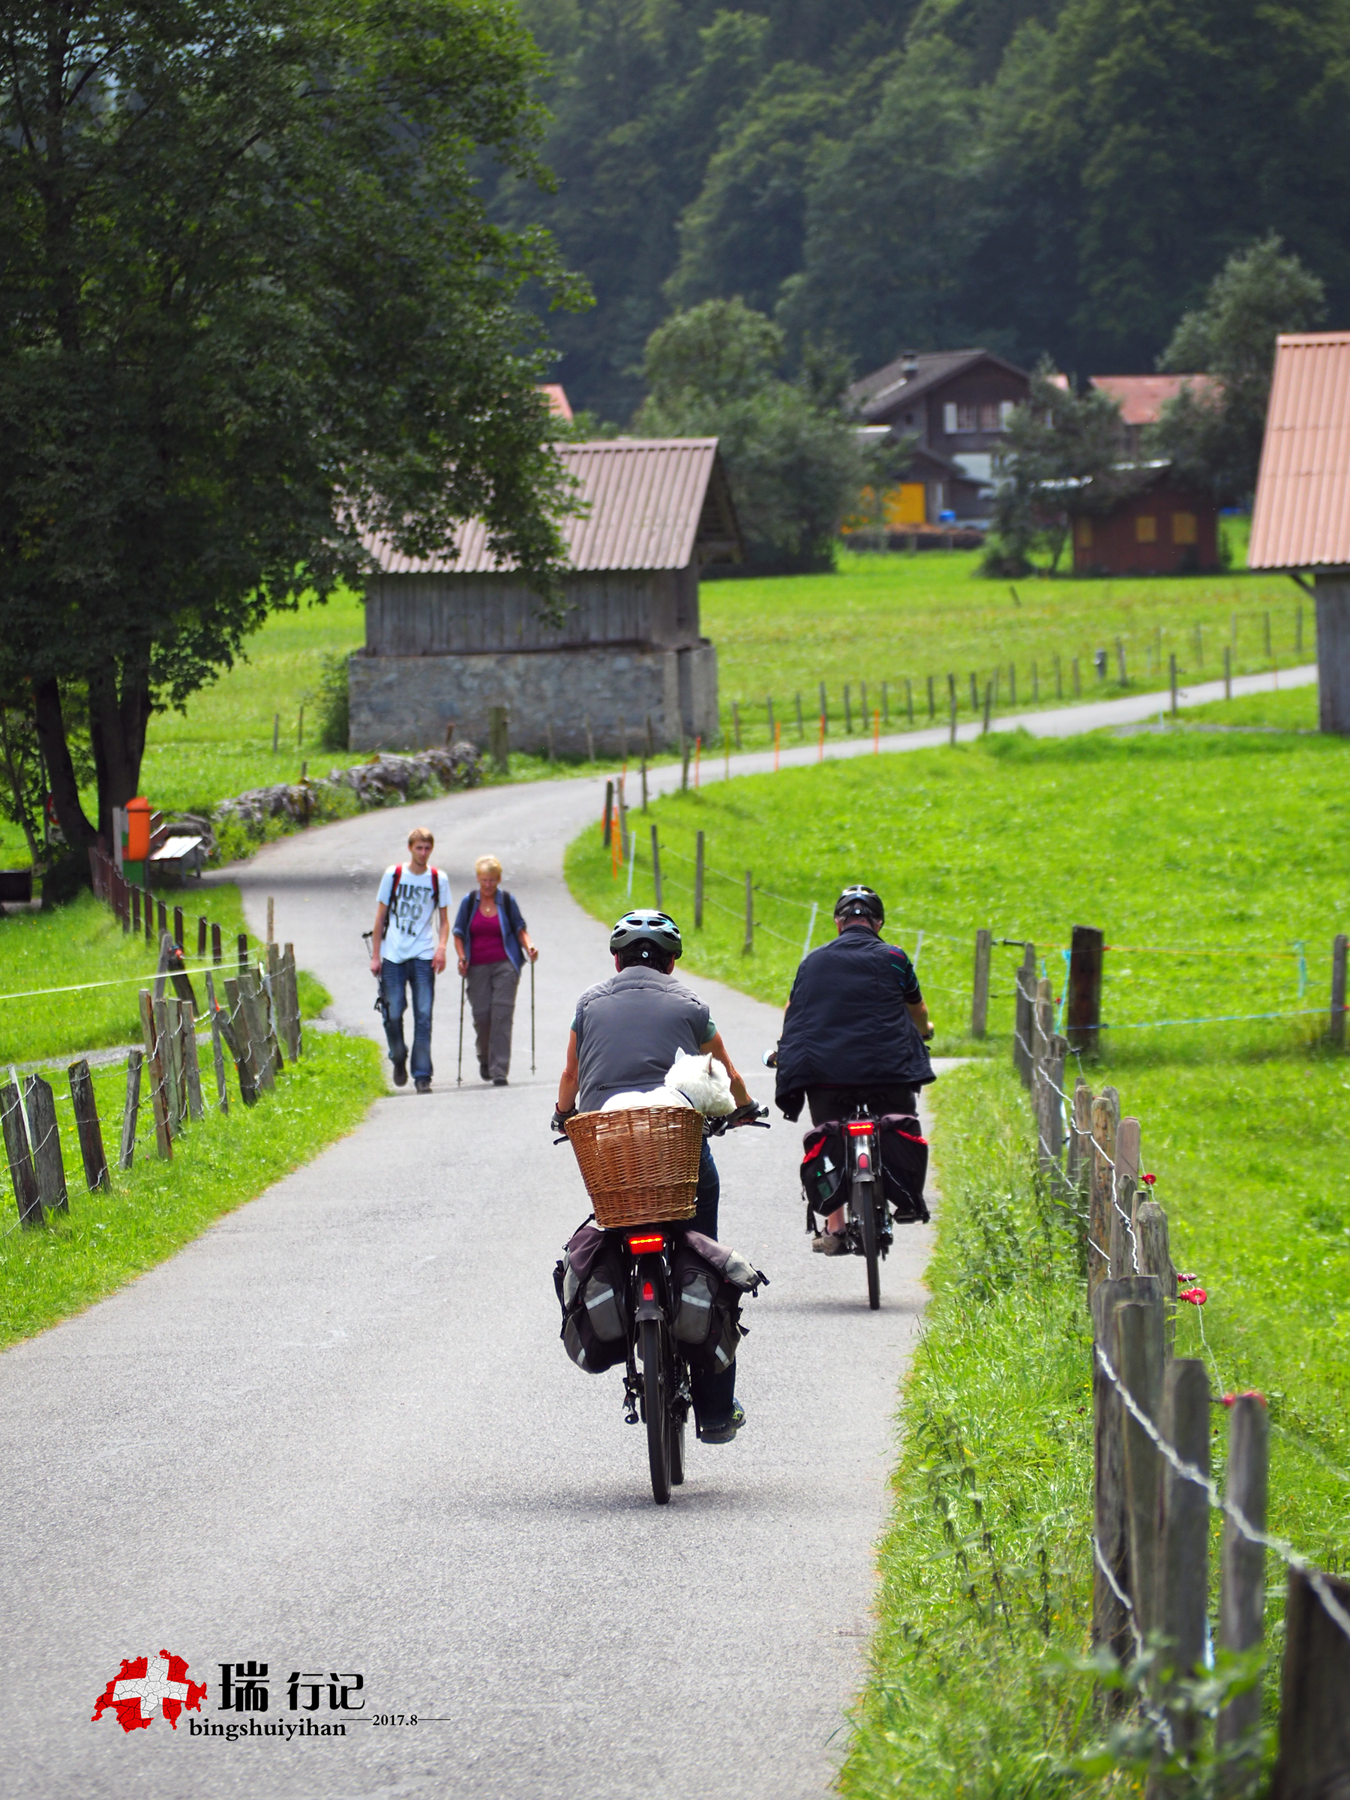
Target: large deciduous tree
(251,307)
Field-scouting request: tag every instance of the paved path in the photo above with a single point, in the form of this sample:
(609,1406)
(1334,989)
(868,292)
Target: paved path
(338,1433)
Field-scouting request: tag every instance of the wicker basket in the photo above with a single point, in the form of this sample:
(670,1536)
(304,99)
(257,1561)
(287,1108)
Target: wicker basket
(640,1166)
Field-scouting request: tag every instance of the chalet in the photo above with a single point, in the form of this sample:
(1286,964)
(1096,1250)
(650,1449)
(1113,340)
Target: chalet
(956,403)
(1301,520)
(1163,527)
(451,637)
(1141,399)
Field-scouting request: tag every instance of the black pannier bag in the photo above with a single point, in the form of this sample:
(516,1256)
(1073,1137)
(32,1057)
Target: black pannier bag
(709,1281)
(590,1284)
(824,1165)
(904,1166)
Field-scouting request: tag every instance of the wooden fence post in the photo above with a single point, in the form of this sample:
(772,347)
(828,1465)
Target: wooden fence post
(1053,1128)
(291,990)
(87,1126)
(1105,1114)
(1042,1031)
(499,738)
(48,1162)
(749,943)
(698,882)
(1314,1718)
(234,1029)
(979,1001)
(271,918)
(21,1171)
(250,989)
(241,943)
(166,1040)
(127,1148)
(656,869)
(154,1056)
(1022,1013)
(1155,1258)
(201,939)
(216,956)
(1242,1594)
(1124,1243)
(1080,1131)
(1336,1031)
(1110,1619)
(217,1051)
(178,926)
(1183,1564)
(191,1063)
(607,823)
(276,1000)
(1083,1013)
(1139,1364)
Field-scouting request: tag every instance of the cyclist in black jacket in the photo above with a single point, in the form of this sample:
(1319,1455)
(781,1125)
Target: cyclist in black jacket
(856,1028)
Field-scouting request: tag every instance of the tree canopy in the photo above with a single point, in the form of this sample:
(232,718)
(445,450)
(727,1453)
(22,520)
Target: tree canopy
(251,306)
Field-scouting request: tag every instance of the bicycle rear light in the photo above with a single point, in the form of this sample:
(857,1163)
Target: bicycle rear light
(861,1127)
(648,1291)
(652,1240)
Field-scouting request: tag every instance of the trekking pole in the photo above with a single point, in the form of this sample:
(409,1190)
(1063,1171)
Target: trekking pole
(459,1073)
(532,1017)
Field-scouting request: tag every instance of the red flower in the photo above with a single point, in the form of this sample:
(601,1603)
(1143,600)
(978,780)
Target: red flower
(1249,1394)
(1148,1180)
(1196,1296)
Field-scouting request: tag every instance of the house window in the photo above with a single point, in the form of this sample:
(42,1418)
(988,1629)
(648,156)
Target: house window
(1183,528)
(1082,534)
(1005,408)
(949,417)
(1145,529)
(989,419)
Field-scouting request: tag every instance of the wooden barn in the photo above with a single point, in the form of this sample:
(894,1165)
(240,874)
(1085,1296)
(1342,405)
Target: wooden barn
(449,639)
(1165,527)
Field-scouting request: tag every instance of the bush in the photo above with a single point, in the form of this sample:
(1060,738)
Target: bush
(334,705)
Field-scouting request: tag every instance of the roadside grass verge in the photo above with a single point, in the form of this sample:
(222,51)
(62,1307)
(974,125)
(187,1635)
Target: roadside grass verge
(81,945)
(985,1590)
(154,1208)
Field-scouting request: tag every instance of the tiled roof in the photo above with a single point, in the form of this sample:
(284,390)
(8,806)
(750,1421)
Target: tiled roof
(1141,398)
(1302,514)
(645,498)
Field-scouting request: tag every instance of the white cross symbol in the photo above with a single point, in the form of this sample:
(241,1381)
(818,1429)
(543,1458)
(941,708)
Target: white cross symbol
(152,1687)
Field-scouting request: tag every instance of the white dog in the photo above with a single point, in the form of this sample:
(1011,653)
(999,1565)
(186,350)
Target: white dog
(697,1081)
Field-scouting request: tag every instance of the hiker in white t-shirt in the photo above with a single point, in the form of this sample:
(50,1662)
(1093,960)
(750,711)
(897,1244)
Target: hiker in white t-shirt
(410,943)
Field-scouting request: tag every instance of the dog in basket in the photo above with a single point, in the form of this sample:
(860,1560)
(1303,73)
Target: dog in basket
(697,1081)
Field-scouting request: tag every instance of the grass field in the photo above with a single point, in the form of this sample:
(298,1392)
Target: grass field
(81,947)
(156,1207)
(1219,866)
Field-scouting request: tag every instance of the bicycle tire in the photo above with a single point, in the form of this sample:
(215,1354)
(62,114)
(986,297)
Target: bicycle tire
(865,1211)
(654,1404)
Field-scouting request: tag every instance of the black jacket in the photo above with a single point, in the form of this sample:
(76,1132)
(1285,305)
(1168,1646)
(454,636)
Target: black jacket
(847,1023)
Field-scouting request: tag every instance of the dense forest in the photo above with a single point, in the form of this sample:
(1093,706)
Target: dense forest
(1058,177)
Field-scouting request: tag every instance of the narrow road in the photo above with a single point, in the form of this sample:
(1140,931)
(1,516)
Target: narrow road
(338,1435)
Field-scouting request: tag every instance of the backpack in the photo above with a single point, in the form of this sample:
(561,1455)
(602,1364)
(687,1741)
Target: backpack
(708,1281)
(824,1165)
(590,1284)
(904,1166)
(436,879)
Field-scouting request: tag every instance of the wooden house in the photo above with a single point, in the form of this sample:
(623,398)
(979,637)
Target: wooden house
(1164,527)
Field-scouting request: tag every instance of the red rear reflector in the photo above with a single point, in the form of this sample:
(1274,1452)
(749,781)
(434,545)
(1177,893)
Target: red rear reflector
(648,1291)
(861,1127)
(652,1241)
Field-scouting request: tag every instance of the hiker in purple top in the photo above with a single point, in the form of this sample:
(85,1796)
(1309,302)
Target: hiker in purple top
(491,943)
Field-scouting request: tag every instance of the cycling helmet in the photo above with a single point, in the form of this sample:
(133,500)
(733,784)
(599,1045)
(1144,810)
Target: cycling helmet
(860,902)
(647,926)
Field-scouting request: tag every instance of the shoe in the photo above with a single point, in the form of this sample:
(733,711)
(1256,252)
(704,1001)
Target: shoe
(423,1087)
(483,1072)
(723,1434)
(401,1074)
(830,1243)
(499,1081)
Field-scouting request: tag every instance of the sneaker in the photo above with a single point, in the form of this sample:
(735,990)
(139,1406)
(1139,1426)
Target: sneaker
(423,1087)
(401,1073)
(830,1243)
(499,1081)
(723,1434)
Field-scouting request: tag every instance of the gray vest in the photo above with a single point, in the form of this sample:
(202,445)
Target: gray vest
(629,1030)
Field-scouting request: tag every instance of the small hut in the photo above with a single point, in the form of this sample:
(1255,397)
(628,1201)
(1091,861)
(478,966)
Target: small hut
(1301,520)
(1163,525)
(449,639)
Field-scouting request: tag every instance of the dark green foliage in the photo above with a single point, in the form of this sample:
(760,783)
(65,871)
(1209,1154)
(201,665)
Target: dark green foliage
(1217,438)
(334,703)
(235,330)
(792,457)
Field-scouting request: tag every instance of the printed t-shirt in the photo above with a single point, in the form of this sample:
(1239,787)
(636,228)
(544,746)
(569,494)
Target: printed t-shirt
(485,938)
(411,936)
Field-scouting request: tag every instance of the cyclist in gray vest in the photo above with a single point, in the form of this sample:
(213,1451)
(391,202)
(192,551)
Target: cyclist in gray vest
(625,1035)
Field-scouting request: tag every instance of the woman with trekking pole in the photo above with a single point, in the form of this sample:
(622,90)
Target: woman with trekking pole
(491,944)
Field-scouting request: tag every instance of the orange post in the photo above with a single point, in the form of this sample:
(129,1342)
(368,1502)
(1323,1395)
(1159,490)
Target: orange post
(820,748)
(876,731)
(777,739)
(138,830)
(698,753)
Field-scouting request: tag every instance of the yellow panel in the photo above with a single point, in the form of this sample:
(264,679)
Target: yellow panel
(1082,534)
(904,505)
(1146,529)
(1183,528)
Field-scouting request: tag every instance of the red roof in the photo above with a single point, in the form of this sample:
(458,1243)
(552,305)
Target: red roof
(1141,398)
(557,399)
(1302,514)
(644,499)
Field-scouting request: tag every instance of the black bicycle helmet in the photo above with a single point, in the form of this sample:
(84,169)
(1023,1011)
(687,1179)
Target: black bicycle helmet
(860,902)
(647,926)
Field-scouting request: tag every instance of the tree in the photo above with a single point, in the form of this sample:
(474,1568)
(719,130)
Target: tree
(250,308)
(1215,436)
(793,459)
(1060,459)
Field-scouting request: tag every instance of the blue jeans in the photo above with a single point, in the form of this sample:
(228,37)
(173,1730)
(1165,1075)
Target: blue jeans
(713,1394)
(394,978)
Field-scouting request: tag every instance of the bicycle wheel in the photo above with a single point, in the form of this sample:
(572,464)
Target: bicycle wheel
(865,1211)
(654,1391)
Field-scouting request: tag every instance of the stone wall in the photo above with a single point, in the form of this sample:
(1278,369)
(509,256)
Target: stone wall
(410,702)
